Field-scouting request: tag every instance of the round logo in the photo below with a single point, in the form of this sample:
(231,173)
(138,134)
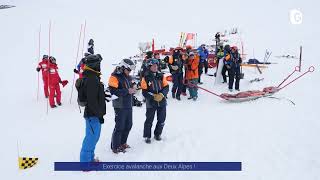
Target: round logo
(295,16)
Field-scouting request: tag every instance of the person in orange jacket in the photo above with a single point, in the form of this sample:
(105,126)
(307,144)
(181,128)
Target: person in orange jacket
(192,75)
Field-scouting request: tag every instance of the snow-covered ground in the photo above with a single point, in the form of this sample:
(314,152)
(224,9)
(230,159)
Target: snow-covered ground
(272,138)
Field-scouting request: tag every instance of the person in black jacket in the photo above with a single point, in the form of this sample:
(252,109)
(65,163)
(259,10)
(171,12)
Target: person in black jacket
(120,84)
(154,88)
(233,66)
(176,69)
(95,108)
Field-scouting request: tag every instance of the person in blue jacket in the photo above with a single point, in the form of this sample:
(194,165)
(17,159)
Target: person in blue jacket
(203,54)
(154,88)
(120,85)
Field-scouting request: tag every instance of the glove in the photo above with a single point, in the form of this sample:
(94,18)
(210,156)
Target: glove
(228,66)
(64,83)
(175,68)
(38,69)
(75,71)
(158,97)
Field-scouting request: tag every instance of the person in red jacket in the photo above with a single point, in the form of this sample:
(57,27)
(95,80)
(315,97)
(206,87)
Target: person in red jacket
(54,80)
(43,66)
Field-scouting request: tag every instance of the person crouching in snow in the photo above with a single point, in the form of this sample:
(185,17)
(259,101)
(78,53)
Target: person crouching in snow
(120,84)
(43,66)
(95,108)
(192,75)
(154,88)
(54,80)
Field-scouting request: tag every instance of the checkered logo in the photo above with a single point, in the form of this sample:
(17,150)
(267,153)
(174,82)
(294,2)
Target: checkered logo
(25,163)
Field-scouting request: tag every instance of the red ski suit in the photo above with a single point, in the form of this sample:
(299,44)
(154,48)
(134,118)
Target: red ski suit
(54,80)
(43,65)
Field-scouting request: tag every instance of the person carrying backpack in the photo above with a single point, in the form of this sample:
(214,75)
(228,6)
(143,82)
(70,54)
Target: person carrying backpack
(95,107)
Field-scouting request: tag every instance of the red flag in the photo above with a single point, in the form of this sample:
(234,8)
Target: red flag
(189,36)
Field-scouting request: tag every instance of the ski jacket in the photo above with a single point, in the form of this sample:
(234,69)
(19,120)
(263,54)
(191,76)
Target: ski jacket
(192,71)
(43,66)
(54,77)
(233,59)
(119,85)
(94,90)
(154,83)
(203,53)
(175,62)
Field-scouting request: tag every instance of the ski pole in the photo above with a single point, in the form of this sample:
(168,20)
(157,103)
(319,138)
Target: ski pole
(84,35)
(38,62)
(295,70)
(310,70)
(74,75)
(300,59)
(48,66)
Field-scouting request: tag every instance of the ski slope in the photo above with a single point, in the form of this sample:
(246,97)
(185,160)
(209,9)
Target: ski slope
(272,138)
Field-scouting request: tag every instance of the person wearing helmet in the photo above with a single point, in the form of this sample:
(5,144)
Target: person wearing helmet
(95,107)
(54,80)
(120,84)
(43,66)
(234,70)
(176,69)
(154,88)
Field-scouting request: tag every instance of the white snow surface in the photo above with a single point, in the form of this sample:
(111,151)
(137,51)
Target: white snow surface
(272,138)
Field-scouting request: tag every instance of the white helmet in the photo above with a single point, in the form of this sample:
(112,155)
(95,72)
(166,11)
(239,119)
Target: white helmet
(127,64)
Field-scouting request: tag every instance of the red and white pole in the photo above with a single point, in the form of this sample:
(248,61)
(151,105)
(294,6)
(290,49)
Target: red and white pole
(39,46)
(76,62)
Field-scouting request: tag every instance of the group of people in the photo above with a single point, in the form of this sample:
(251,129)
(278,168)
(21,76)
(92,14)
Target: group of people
(51,80)
(185,65)
(231,59)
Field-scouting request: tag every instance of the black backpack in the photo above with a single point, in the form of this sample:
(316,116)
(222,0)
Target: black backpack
(81,88)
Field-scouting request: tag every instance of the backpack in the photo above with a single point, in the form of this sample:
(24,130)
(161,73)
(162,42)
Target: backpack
(81,88)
